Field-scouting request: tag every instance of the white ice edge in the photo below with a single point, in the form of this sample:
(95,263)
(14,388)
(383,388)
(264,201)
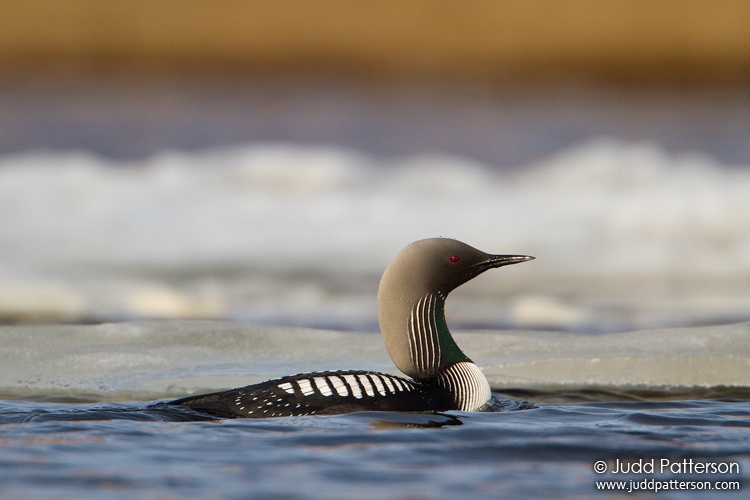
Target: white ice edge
(225,233)
(177,357)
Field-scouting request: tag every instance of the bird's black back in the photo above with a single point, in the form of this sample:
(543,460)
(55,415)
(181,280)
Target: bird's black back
(322,393)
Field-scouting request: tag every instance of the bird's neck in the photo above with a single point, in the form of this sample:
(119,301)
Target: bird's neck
(450,353)
(417,335)
(438,359)
(421,345)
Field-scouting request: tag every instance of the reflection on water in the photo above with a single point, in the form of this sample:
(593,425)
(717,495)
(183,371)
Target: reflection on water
(24,411)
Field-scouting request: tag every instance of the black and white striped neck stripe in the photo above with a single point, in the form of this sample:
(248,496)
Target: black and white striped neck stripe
(424,340)
(467,385)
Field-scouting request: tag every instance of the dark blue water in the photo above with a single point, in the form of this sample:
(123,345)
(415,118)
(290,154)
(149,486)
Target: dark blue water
(126,451)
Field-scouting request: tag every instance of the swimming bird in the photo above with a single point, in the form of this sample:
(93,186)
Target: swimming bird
(411,303)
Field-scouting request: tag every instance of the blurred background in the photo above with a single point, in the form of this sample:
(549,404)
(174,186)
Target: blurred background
(263,160)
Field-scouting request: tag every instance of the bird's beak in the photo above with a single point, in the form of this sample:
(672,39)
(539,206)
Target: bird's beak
(502,260)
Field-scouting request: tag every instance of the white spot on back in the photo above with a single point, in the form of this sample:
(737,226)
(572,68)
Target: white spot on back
(366,384)
(388,382)
(322,385)
(338,384)
(305,386)
(287,387)
(398,384)
(352,381)
(379,385)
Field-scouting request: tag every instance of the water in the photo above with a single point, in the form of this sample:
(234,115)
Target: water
(545,452)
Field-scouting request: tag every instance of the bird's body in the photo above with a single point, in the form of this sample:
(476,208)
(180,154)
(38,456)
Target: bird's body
(411,300)
(321,393)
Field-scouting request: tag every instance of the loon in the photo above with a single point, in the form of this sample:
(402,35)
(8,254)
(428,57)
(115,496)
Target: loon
(411,303)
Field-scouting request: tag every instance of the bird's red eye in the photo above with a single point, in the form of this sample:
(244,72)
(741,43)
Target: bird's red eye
(453,259)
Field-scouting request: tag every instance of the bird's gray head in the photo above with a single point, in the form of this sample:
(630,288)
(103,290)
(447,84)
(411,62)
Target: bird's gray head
(411,298)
